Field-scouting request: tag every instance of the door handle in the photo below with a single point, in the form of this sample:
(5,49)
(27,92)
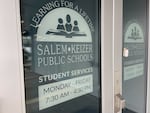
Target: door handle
(125,52)
(120,103)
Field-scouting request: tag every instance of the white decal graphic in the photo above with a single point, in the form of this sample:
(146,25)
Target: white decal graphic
(64,25)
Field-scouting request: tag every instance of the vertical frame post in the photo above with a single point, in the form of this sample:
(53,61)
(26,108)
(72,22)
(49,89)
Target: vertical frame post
(148,69)
(107,56)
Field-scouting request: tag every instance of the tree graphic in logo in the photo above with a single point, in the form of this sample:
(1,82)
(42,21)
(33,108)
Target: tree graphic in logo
(68,30)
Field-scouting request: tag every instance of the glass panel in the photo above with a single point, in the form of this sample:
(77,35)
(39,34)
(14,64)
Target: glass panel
(135,59)
(61,50)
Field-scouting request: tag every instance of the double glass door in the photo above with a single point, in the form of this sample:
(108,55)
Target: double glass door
(79,56)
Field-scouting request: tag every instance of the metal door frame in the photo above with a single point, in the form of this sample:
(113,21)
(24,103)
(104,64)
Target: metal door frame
(113,12)
(117,33)
(107,56)
(111,53)
(148,69)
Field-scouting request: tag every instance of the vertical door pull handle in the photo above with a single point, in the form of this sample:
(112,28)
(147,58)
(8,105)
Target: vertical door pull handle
(120,103)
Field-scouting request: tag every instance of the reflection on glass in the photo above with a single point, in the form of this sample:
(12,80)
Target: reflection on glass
(27,50)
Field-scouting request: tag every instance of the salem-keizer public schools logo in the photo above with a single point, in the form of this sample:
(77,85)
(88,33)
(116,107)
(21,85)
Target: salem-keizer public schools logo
(63,25)
(134,33)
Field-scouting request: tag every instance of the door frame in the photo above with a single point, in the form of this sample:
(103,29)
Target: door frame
(117,33)
(107,56)
(112,24)
(107,63)
(111,53)
(148,69)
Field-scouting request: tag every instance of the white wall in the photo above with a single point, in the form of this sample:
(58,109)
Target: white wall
(11,90)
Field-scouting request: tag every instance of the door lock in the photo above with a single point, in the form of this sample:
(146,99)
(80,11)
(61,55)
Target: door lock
(120,103)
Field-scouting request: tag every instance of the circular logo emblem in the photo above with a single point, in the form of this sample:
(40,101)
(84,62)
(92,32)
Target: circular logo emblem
(63,25)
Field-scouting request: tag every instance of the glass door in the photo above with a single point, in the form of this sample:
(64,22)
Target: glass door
(135,45)
(61,54)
